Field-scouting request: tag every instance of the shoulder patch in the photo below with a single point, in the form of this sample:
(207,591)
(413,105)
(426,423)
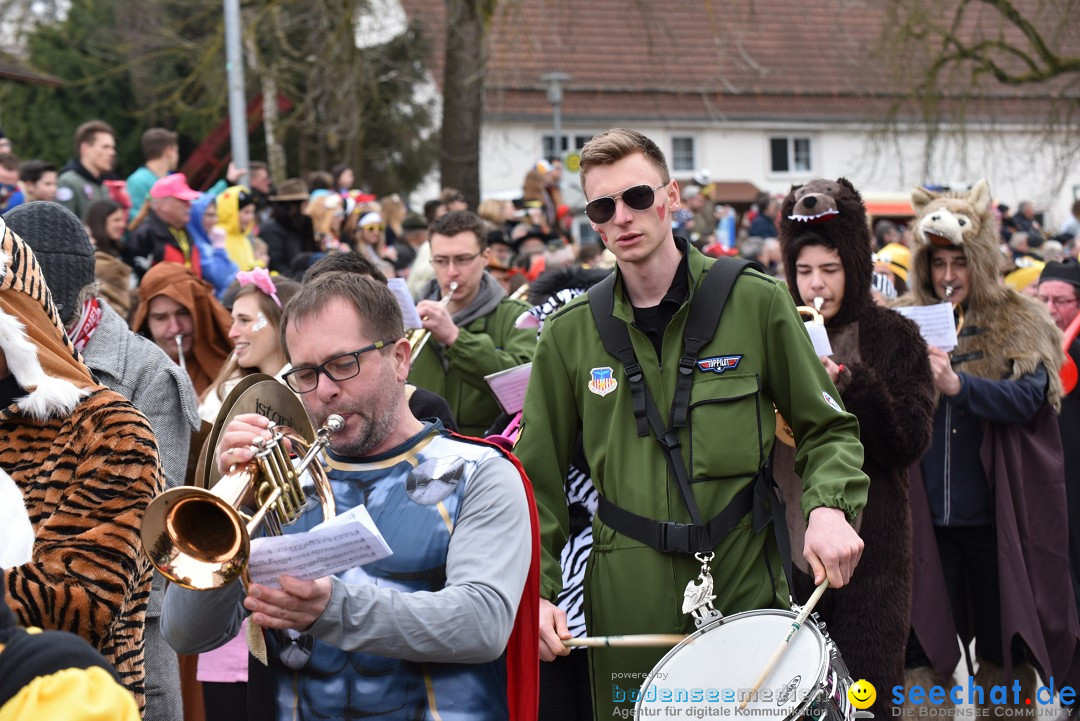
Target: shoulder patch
(64,194)
(602,381)
(832,402)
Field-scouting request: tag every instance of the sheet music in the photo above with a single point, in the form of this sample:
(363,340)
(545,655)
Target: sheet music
(343,542)
(820,338)
(404,298)
(935,323)
(509,386)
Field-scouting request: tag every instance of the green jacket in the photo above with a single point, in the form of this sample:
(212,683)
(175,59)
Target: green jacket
(629,587)
(483,347)
(76,192)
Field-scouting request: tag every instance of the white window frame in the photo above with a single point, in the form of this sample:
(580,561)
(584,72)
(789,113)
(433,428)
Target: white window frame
(571,137)
(790,139)
(676,168)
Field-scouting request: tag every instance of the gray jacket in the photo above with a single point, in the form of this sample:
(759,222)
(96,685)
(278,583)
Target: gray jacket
(133,366)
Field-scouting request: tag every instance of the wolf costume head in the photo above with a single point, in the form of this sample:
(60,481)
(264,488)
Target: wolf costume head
(1005,334)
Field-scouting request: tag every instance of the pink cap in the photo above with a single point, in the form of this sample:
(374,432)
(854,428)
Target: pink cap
(173,186)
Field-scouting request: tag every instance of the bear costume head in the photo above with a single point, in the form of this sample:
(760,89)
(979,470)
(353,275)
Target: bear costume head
(829,213)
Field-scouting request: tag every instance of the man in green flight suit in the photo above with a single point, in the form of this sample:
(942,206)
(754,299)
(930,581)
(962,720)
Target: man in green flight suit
(760,355)
(474,334)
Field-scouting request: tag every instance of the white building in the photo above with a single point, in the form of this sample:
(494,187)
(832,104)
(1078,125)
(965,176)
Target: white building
(762,93)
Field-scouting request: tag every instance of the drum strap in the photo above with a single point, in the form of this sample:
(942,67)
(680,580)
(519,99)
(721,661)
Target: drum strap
(707,305)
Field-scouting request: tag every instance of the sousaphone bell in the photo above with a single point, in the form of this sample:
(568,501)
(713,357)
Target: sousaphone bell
(198,537)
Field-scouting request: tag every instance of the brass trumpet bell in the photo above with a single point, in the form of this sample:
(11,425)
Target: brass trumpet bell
(196,536)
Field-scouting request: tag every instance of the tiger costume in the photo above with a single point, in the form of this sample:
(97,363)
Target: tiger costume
(86,463)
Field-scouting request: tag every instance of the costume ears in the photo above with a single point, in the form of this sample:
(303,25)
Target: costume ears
(979,197)
(920,198)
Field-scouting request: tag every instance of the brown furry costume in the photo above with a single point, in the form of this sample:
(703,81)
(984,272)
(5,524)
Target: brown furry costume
(886,383)
(1005,335)
(993,312)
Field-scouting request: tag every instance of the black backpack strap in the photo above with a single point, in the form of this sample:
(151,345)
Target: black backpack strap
(705,311)
(672,537)
(616,339)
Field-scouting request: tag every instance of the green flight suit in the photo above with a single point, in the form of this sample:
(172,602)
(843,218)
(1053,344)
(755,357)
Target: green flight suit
(631,588)
(484,346)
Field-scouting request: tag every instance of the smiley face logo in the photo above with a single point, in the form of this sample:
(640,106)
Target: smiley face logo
(862,694)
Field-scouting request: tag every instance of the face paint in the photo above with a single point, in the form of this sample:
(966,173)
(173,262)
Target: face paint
(661,211)
(260,323)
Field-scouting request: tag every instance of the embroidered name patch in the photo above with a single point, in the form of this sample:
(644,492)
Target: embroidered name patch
(603,381)
(829,399)
(718,364)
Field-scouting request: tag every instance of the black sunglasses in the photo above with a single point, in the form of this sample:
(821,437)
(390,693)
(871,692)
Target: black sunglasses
(639,197)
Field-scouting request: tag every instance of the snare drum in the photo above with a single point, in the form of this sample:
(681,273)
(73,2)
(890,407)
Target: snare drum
(711,672)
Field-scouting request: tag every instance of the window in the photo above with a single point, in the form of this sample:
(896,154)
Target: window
(791,155)
(682,153)
(548,143)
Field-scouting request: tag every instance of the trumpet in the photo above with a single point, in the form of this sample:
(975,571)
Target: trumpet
(198,538)
(521,292)
(784,434)
(418,337)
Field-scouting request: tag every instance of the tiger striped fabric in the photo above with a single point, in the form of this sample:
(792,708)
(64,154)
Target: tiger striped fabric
(86,480)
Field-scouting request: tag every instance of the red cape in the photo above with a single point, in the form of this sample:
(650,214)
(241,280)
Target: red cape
(523,648)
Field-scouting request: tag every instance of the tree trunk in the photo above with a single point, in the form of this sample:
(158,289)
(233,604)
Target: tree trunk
(275,154)
(463,96)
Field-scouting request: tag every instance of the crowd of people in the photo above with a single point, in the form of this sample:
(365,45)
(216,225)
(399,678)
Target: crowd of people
(677,427)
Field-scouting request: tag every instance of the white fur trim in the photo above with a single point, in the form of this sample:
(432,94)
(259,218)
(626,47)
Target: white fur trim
(17,540)
(51,396)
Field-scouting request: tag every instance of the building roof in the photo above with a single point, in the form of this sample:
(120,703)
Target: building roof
(9,71)
(701,61)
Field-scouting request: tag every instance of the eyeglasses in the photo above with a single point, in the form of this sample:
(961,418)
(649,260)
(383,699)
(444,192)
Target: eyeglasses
(1058,302)
(639,197)
(339,368)
(442,261)
(378,227)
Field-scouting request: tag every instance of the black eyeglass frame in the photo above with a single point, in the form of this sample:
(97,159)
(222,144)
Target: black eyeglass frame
(598,216)
(290,377)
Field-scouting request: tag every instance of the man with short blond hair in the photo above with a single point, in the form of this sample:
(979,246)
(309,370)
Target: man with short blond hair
(647,525)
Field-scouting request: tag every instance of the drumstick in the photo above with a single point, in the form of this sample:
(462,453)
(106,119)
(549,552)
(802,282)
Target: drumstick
(642,640)
(795,626)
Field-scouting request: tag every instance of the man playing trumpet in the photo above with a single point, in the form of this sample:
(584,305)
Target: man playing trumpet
(426,632)
(473,335)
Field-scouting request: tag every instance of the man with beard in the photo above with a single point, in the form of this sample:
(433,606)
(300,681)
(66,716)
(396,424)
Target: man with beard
(433,631)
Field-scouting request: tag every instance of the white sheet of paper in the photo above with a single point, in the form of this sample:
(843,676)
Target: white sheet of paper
(404,298)
(820,338)
(935,323)
(344,542)
(509,386)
